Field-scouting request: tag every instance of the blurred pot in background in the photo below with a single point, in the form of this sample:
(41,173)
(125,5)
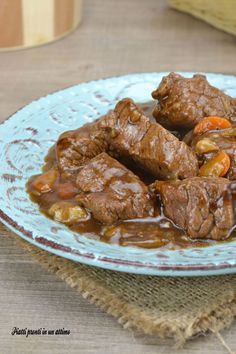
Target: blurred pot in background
(27,23)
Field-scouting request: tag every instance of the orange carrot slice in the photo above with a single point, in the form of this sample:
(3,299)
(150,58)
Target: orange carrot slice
(211,123)
(66,190)
(218,166)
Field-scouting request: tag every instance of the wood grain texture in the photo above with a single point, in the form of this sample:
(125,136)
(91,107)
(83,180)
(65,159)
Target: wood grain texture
(11,26)
(64,16)
(38,20)
(115,38)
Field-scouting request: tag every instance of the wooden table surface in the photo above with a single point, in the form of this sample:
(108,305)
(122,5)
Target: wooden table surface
(115,38)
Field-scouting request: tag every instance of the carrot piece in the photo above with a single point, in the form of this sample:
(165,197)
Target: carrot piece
(44,182)
(211,123)
(218,166)
(66,190)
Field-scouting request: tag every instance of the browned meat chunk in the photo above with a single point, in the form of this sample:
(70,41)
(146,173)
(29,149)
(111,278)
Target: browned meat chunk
(112,192)
(209,143)
(149,144)
(129,133)
(183,102)
(76,147)
(202,206)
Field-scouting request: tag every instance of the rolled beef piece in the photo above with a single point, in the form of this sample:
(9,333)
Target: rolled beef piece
(112,192)
(76,147)
(154,148)
(202,206)
(183,102)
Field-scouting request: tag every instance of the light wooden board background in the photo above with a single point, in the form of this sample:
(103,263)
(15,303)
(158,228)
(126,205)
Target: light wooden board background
(115,38)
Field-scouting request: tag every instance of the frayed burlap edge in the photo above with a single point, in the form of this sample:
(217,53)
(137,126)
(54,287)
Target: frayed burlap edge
(214,319)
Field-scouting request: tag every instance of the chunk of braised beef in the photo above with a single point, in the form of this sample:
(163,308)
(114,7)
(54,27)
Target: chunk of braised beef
(112,192)
(76,147)
(202,206)
(127,132)
(183,102)
(153,147)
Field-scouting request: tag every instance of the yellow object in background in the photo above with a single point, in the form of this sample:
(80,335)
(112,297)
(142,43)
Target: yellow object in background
(27,23)
(219,13)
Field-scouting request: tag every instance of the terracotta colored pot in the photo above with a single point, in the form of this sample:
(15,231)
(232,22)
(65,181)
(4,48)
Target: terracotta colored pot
(27,23)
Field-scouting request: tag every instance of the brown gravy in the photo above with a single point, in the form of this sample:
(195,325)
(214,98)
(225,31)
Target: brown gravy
(158,232)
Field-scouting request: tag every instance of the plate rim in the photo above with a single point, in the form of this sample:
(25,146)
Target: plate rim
(108,263)
(159,269)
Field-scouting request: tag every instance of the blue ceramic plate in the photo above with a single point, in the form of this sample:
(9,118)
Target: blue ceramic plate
(24,140)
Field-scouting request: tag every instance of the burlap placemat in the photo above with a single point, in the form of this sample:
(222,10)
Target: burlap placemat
(167,307)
